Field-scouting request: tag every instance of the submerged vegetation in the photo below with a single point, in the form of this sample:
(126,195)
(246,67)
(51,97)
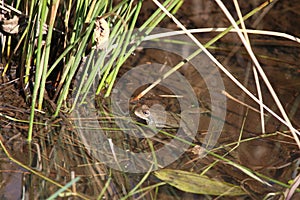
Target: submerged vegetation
(54,53)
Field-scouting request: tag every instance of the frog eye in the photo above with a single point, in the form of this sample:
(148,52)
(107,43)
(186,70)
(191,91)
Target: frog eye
(146,112)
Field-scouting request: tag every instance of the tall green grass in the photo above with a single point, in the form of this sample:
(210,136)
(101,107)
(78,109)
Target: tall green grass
(57,52)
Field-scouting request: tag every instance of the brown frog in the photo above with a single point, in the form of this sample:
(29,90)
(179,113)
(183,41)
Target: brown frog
(156,118)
